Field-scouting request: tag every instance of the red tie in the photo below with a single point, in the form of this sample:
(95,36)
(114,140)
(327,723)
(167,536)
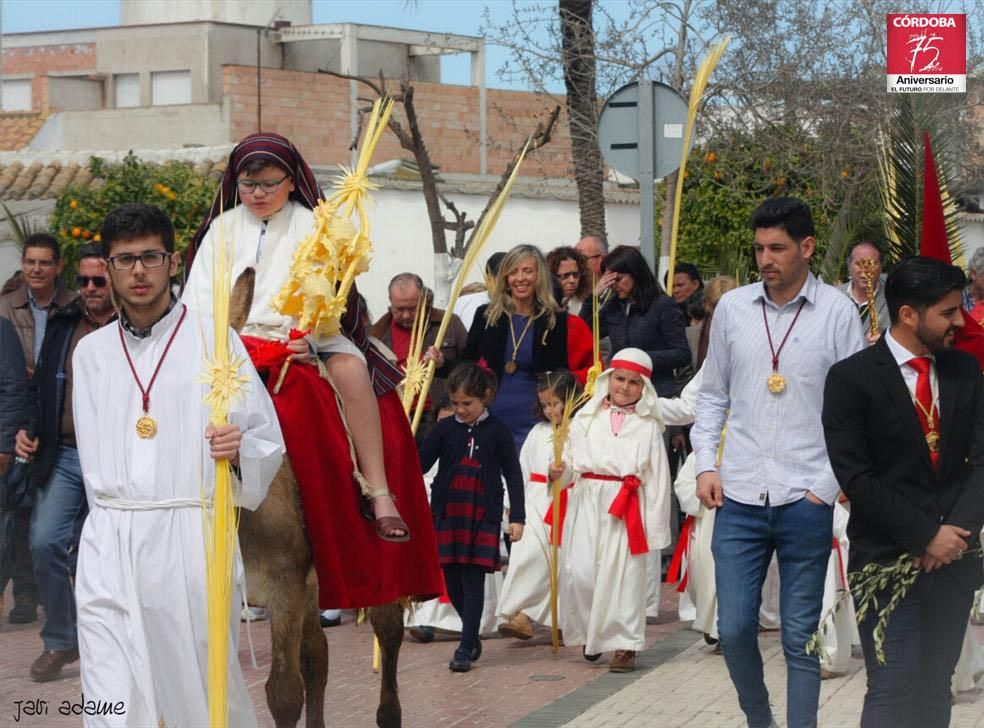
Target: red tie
(925,408)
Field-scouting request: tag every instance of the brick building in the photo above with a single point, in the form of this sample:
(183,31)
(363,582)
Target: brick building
(207,73)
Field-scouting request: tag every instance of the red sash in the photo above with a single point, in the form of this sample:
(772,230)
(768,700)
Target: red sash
(682,551)
(626,507)
(548,518)
(836,545)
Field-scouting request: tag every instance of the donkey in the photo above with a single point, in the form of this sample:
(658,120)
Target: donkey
(280,576)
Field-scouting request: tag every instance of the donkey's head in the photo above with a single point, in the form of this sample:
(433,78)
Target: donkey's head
(241,299)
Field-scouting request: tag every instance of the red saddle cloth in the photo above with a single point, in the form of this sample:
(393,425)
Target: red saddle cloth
(355,567)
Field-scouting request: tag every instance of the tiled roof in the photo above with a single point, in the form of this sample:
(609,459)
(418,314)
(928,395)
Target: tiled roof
(39,180)
(17,128)
(45,175)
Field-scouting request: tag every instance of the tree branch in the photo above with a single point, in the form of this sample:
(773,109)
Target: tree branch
(540,137)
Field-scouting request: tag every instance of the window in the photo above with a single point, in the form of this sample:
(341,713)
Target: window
(127,92)
(15,94)
(170,87)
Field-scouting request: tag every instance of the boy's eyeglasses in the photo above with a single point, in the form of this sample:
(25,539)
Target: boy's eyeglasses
(126,261)
(268,185)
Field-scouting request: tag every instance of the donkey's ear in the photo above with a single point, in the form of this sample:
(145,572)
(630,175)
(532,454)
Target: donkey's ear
(241,299)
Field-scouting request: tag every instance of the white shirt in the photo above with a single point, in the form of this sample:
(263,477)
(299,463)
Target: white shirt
(910,375)
(775,447)
(466,306)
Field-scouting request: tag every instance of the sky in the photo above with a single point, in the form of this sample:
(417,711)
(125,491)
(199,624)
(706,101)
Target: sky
(450,16)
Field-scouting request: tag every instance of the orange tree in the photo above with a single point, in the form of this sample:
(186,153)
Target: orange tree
(174,187)
(728,176)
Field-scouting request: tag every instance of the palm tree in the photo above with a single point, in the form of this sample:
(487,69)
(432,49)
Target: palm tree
(900,162)
(577,40)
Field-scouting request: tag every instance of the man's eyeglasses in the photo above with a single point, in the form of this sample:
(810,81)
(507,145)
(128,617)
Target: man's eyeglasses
(126,261)
(572,274)
(97,281)
(269,185)
(30,263)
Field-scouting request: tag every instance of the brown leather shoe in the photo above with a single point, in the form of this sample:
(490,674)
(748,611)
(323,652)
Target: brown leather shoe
(622,661)
(49,665)
(519,627)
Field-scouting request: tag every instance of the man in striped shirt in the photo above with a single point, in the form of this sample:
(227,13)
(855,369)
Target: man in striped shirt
(771,345)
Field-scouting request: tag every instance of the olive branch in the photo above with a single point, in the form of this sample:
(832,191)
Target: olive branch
(866,585)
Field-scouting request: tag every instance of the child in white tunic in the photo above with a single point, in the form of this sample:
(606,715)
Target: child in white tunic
(618,511)
(526,591)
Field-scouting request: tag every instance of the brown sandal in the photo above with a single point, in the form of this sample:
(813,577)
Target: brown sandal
(385,525)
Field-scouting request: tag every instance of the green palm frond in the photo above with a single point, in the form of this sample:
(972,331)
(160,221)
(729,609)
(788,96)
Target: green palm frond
(900,161)
(21,226)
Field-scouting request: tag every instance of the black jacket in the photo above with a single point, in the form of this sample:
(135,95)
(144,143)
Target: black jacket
(660,331)
(14,400)
(47,387)
(495,451)
(878,452)
(566,346)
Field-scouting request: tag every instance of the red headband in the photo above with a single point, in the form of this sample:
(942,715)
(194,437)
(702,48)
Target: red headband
(631,366)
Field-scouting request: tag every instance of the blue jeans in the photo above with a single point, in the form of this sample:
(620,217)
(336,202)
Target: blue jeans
(744,539)
(923,640)
(59,511)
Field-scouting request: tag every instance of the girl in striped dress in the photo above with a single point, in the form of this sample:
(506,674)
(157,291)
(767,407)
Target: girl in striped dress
(474,451)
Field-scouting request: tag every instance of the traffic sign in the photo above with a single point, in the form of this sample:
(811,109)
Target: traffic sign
(640,133)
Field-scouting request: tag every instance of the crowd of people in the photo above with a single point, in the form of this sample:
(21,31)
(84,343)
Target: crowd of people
(808,428)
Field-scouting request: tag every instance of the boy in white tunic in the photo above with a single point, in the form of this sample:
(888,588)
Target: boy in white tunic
(619,509)
(146,448)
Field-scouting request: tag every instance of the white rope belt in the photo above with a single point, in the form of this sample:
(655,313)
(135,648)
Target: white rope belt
(125,504)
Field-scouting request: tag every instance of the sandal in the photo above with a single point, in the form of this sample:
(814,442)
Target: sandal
(386,525)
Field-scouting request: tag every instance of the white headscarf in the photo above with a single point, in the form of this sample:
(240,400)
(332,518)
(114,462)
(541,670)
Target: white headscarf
(635,360)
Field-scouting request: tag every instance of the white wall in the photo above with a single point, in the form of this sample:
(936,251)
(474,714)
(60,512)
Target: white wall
(971,234)
(401,234)
(249,12)
(163,127)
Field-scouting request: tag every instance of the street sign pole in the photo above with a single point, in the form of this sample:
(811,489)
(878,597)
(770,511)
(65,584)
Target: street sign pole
(647,214)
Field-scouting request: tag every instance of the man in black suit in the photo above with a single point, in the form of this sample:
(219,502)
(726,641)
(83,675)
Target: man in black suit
(904,425)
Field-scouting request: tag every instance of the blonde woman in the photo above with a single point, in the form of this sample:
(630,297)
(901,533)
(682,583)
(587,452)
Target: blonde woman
(522,332)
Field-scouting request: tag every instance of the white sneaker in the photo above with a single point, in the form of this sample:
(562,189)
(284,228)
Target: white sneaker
(253,614)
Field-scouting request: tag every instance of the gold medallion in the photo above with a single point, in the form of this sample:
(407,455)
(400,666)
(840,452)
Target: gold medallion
(510,367)
(776,383)
(933,440)
(146,427)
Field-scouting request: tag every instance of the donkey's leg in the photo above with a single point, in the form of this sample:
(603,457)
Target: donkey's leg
(284,687)
(387,623)
(314,658)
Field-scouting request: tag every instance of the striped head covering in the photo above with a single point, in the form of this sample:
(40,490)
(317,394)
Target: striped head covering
(268,147)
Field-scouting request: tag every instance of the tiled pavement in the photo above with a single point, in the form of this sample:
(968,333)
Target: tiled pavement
(692,690)
(680,683)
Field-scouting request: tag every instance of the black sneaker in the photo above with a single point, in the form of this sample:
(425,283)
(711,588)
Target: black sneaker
(23,614)
(422,633)
(592,657)
(459,664)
